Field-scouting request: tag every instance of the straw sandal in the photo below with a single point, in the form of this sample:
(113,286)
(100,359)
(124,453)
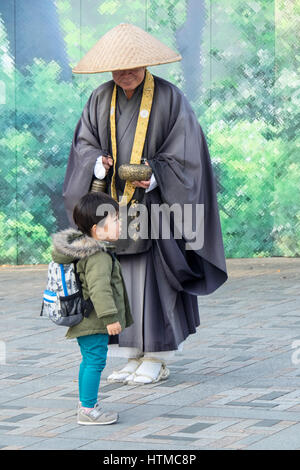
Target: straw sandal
(162,375)
(120,375)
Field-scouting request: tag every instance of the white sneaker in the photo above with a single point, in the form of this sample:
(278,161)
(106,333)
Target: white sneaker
(96,416)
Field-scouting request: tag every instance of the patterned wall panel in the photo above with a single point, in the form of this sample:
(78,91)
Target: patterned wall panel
(240,97)
(239,72)
(286,202)
(8,137)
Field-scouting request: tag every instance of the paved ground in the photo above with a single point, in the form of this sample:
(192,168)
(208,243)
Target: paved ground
(235,386)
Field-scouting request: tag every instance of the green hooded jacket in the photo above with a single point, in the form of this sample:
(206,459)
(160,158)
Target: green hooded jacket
(102,282)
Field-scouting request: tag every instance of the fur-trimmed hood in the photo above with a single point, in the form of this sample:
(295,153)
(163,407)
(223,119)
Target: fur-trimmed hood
(72,244)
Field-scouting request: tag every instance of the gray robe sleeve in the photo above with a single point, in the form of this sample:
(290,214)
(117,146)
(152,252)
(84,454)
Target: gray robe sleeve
(184,173)
(85,150)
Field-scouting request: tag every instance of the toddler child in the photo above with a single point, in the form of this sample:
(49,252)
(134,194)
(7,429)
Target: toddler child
(102,282)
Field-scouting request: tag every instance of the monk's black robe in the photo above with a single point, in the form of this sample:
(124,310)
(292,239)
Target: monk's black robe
(164,300)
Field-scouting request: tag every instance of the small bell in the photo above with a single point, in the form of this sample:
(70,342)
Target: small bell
(98,186)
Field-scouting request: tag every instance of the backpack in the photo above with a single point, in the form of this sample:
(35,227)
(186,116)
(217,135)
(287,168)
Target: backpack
(63,300)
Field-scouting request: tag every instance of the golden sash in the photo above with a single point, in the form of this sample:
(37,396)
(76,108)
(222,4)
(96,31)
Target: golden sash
(139,138)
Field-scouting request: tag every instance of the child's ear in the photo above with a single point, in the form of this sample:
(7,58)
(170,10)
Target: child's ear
(93,229)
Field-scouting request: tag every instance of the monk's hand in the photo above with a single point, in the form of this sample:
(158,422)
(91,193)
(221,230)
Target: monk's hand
(142,184)
(107,162)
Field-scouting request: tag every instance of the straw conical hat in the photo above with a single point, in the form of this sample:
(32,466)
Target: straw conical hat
(125,47)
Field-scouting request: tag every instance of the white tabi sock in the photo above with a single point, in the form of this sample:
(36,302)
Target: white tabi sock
(128,369)
(147,372)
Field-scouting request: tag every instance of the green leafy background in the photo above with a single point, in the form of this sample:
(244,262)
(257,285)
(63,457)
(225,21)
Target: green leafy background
(241,75)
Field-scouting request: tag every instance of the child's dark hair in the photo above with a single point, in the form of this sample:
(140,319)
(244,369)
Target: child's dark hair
(85,211)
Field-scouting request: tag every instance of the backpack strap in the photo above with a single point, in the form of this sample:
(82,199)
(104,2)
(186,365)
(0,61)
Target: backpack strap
(113,256)
(87,304)
(63,279)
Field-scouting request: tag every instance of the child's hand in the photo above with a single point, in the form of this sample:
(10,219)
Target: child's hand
(114,328)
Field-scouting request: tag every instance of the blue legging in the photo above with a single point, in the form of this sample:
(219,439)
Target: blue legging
(94,353)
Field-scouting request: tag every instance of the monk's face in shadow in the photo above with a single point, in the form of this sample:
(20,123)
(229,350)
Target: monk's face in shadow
(129,79)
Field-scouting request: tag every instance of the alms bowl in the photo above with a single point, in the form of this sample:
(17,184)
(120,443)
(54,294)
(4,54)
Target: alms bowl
(135,172)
